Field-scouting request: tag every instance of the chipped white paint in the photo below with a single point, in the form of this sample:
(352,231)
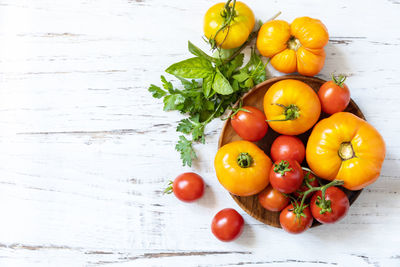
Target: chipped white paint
(85,151)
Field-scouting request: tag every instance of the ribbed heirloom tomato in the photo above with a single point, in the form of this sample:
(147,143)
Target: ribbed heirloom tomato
(295,47)
(240,23)
(291,107)
(345,147)
(242,168)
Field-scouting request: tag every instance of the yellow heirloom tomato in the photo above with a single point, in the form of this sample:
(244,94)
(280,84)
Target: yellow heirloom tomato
(294,47)
(345,147)
(240,23)
(291,107)
(242,168)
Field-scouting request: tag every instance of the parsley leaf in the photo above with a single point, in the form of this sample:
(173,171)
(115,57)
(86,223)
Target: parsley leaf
(184,147)
(156,91)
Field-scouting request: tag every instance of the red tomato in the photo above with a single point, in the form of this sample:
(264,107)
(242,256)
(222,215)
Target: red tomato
(227,225)
(334,95)
(188,187)
(336,207)
(286,176)
(288,147)
(251,126)
(272,199)
(311,179)
(294,224)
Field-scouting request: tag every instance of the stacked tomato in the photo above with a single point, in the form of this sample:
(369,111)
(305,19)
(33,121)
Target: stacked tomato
(342,149)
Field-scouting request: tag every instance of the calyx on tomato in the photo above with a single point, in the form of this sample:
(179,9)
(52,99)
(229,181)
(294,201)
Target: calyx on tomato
(244,160)
(291,112)
(346,151)
(339,80)
(282,167)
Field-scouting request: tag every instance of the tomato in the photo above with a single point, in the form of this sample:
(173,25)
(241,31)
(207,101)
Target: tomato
(242,168)
(251,125)
(272,199)
(187,187)
(347,148)
(227,225)
(333,209)
(294,223)
(310,179)
(286,176)
(295,47)
(288,147)
(334,95)
(238,29)
(291,106)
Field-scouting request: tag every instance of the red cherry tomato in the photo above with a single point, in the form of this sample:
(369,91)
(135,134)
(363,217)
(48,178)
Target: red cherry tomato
(311,179)
(250,126)
(227,225)
(188,187)
(294,224)
(273,200)
(336,206)
(286,176)
(334,95)
(288,147)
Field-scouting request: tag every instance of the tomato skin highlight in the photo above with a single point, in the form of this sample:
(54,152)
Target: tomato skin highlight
(188,187)
(227,225)
(272,200)
(333,97)
(288,147)
(291,224)
(339,204)
(250,126)
(290,181)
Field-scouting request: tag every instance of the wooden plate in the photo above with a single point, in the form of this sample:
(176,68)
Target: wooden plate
(255,98)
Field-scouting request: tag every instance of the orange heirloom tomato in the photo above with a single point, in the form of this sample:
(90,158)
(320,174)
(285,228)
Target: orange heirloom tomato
(345,147)
(242,168)
(291,107)
(295,47)
(238,30)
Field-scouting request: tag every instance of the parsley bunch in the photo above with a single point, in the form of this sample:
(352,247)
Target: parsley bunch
(216,83)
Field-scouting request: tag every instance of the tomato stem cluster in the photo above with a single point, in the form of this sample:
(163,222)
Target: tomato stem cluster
(229,14)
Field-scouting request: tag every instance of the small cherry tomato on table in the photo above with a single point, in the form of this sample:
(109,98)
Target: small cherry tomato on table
(286,176)
(334,95)
(273,200)
(331,209)
(227,225)
(249,123)
(294,220)
(288,147)
(308,178)
(187,187)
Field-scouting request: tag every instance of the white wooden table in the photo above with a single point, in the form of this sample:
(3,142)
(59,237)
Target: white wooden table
(85,151)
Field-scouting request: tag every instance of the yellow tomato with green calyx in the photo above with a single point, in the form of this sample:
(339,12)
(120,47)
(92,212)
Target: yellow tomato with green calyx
(345,147)
(291,107)
(294,47)
(242,168)
(228,26)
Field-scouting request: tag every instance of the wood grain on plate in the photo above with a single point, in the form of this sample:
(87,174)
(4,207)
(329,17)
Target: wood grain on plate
(255,98)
